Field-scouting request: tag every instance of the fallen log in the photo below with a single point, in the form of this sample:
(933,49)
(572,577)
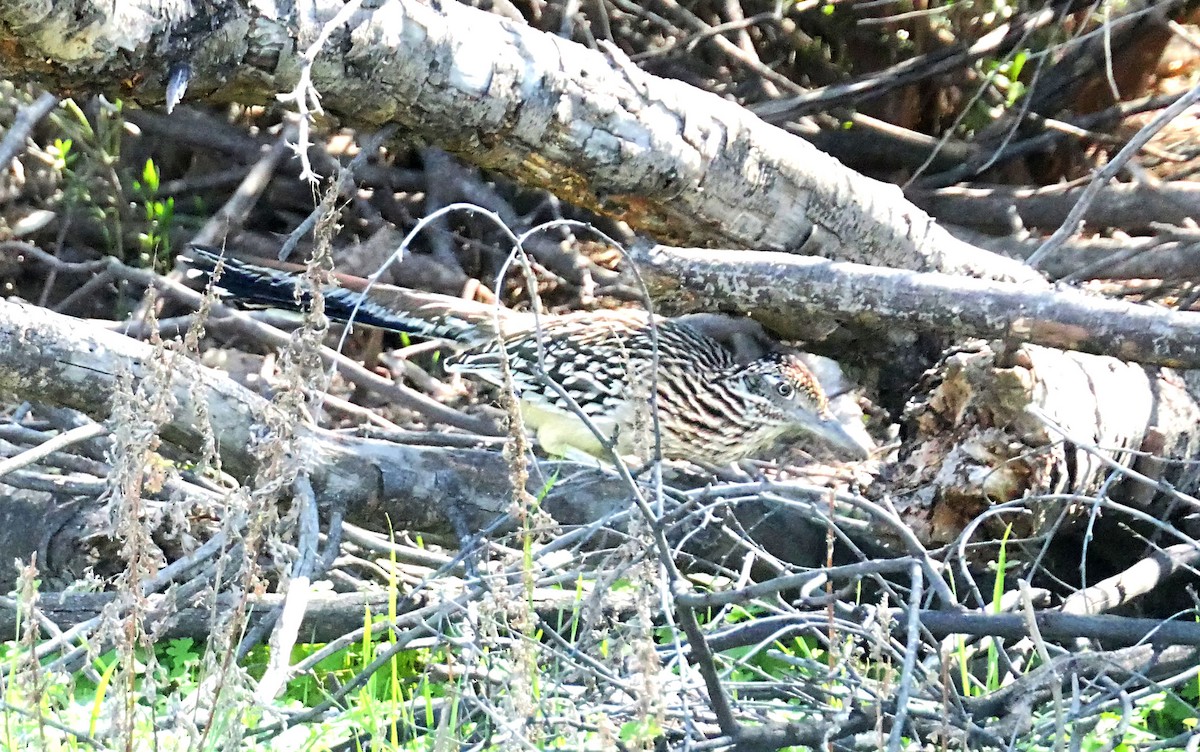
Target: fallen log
(991,426)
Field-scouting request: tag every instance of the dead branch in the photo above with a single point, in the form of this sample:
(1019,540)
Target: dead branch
(1134,582)
(1132,207)
(53,360)
(27,117)
(680,164)
(979,438)
(1100,258)
(798,296)
(914,69)
(326,618)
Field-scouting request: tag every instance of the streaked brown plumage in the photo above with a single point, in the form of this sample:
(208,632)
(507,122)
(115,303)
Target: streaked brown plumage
(711,409)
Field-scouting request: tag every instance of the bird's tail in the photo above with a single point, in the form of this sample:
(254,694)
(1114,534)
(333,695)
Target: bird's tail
(384,306)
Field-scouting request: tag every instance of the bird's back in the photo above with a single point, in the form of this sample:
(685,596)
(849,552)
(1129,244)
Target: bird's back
(603,364)
(592,353)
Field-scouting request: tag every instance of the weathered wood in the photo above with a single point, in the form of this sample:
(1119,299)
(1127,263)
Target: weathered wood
(675,162)
(803,297)
(57,360)
(973,441)
(327,616)
(1132,207)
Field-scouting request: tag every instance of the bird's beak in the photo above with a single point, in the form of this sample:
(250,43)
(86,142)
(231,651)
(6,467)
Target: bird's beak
(830,431)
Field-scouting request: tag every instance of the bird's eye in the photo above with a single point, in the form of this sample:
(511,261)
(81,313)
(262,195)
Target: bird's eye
(785,390)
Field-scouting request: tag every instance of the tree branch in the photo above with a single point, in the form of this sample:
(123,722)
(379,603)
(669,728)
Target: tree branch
(57,360)
(680,164)
(785,292)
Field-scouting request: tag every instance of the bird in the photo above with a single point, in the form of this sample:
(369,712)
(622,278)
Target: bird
(584,380)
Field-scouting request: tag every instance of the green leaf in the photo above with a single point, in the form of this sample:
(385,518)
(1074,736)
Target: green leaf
(641,730)
(101,691)
(150,176)
(1018,62)
(182,649)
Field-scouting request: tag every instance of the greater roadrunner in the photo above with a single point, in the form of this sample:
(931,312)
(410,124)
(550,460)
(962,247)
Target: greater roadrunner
(711,408)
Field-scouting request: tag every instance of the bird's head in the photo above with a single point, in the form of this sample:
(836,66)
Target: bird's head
(790,399)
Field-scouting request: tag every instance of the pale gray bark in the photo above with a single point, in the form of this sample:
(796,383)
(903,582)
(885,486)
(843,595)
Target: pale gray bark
(973,440)
(54,360)
(679,164)
(804,298)
(970,443)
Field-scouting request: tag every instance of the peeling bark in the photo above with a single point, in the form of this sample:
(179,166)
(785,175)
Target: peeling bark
(971,441)
(56,360)
(806,298)
(680,164)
